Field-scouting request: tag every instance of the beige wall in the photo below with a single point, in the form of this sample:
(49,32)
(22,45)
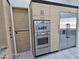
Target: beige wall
(52,13)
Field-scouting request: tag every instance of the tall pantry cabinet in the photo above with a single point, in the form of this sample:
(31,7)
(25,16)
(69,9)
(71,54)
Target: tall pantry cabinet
(6,41)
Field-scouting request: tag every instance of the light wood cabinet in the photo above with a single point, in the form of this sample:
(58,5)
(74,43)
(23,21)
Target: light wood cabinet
(3,35)
(22,41)
(21,19)
(40,9)
(21,23)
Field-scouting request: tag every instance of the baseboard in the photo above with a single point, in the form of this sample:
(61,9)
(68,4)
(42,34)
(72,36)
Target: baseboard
(54,51)
(47,53)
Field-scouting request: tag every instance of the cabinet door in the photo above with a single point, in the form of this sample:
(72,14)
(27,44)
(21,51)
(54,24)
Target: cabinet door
(21,23)
(72,38)
(3,37)
(22,41)
(40,10)
(21,19)
(63,40)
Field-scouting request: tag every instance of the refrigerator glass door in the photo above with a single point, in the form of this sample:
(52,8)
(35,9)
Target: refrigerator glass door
(68,22)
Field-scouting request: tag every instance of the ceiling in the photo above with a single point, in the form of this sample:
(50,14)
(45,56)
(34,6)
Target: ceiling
(69,2)
(25,3)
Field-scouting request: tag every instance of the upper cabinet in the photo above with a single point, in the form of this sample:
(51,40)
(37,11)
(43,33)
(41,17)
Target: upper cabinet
(21,19)
(3,17)
(40,10)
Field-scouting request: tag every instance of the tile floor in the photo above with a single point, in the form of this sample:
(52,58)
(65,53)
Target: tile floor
(71,53)
(25,55)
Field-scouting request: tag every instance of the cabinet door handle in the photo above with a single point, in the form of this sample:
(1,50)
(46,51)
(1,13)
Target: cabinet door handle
(10,29)
(16,32)
(10,35)
(58,28)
